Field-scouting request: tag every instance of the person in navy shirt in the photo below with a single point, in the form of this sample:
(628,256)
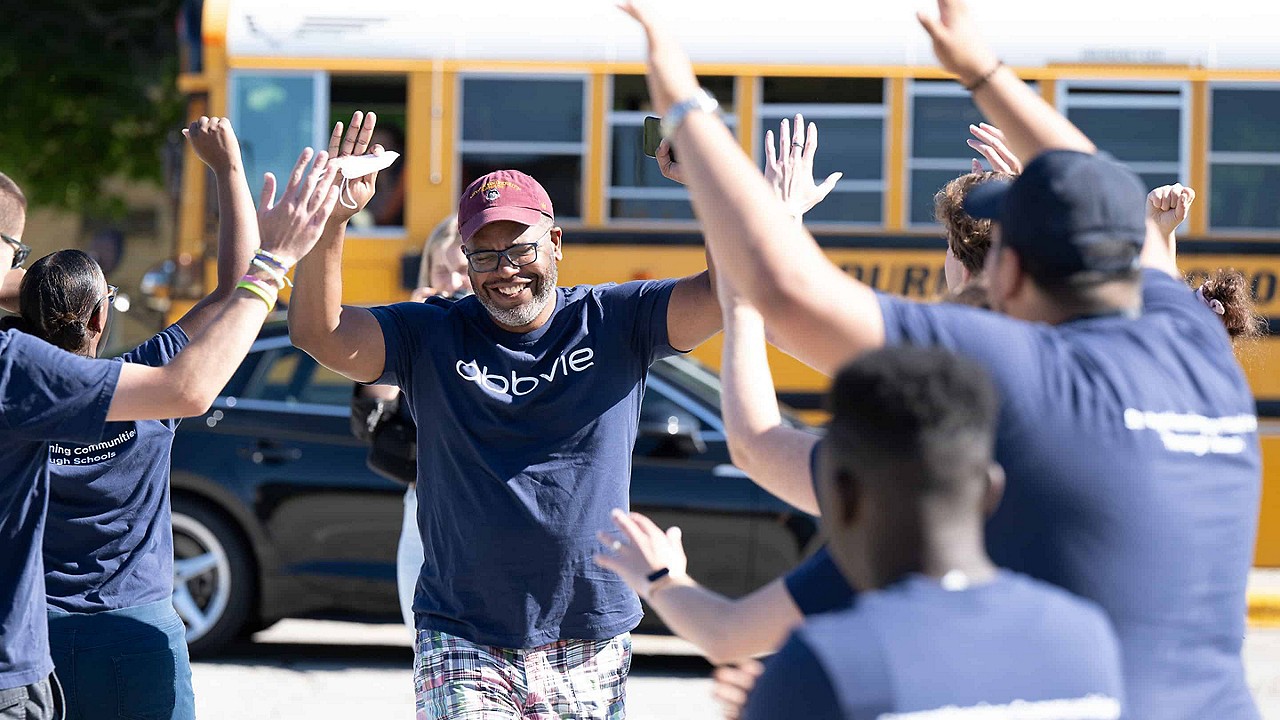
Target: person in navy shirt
(527,398)
(50,395)
(1127,427)
(108,546)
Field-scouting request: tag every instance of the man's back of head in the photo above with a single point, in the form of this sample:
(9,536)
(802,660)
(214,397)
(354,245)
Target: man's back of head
(13,208)
(968,238)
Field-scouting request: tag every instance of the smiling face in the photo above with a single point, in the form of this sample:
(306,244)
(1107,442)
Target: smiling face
(519,299)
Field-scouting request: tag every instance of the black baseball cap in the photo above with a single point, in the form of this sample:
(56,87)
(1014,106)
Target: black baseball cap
(1069,215)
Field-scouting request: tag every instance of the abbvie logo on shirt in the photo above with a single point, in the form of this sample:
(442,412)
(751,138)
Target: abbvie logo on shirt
(518,385)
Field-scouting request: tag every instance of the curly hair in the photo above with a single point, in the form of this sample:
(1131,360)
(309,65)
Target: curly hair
(1230,287)
(968,238)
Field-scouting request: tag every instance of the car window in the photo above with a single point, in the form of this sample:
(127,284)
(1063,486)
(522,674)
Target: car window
(289,375)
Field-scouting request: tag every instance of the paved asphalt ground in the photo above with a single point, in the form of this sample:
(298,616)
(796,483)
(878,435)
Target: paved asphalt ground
(319,670)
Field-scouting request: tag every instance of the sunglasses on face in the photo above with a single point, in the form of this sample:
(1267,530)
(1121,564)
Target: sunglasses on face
(20,250)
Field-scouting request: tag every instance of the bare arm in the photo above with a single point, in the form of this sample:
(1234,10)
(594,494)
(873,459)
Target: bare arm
(693,315)
(215,143)
(1167,207)
(775,456)
(816,312)
(1031,125)
(343,338)
(188,385)
(725,630)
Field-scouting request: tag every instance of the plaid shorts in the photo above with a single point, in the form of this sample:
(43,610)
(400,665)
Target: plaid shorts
(566,680)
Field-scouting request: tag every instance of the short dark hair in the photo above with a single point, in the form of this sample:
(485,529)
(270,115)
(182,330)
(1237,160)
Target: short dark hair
(921,418)
(13,207)
(968,237)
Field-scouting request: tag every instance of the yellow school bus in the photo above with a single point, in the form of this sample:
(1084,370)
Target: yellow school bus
(555,88)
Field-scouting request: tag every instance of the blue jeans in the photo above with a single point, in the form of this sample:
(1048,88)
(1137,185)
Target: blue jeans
(128,664)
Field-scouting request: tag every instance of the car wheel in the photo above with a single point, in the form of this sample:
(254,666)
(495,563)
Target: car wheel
(213,576)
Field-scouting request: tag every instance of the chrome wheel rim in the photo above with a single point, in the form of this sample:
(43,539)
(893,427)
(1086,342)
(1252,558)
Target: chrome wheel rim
(201,576)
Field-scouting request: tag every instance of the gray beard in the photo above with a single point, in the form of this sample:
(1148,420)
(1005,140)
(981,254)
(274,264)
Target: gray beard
(524,314)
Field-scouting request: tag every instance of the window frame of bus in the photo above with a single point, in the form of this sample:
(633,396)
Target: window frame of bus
(1113,96)
(462,146)
(766,114)
(957,164)
(640,193)
(1265,159)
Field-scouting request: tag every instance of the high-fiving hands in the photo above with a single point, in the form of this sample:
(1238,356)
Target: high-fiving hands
(789,167)
(990,142)
(670,74)
(214,142)
(292,226)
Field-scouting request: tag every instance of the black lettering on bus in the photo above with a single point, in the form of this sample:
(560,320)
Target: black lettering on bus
(1264,286)
(915,279)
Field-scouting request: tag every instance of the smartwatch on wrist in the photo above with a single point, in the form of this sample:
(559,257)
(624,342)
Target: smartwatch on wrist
(701,101)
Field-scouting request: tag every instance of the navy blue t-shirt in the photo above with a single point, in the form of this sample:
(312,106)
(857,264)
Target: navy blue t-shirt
(108,542)
(1012,644)
(816,585)
(45,394)
(1134,476)
(527,449)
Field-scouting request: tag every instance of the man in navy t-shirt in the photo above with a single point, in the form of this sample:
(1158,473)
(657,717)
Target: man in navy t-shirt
(1126,426)
(906,476)
(527,398)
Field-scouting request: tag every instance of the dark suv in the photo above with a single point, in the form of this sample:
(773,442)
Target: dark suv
(275,514)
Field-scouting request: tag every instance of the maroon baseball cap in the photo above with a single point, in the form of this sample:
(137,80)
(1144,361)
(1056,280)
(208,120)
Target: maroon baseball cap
(502,195)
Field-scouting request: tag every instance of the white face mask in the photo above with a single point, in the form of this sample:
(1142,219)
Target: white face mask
(357,166)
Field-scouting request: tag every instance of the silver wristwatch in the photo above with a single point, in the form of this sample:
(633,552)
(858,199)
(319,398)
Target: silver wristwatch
(702,101)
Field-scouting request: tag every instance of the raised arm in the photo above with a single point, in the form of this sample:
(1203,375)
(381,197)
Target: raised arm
(1167,207)
(812,309)
(214,142)
(343,338)
(189,384)
(725,630)
(1031,124)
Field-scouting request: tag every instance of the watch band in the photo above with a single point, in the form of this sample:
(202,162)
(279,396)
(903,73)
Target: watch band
(702,101)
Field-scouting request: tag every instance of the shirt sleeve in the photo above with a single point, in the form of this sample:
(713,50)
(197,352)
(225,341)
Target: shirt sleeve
(403,331)
(817,586)
(794,685)
(160,349)
(646,302)
(50,394)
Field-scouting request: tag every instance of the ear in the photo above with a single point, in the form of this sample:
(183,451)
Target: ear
(556,234)
(98,320)
(1012,278)
(845,494)
(995,489)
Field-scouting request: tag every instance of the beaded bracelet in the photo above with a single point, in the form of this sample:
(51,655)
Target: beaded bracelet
(256,289)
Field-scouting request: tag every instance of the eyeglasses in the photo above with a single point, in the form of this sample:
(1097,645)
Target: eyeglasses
(110,297)
(518,255)
(20,250)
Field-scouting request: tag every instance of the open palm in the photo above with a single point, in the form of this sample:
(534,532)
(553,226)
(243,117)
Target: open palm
(357,191)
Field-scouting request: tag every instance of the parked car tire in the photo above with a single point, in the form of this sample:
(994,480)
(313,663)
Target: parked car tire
(213,576)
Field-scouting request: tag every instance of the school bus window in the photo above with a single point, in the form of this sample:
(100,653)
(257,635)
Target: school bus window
(532,124)
(275,115)
(940,113)
(850,115)
(1141,124)
(385,95)
(1244,158)
(637,189)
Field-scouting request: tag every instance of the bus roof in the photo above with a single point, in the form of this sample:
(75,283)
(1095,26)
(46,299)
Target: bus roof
(1221,34)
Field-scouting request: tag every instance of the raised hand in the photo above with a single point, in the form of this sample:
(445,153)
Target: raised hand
(956,41)
(667,163)
(292,227)
(214,142)
(359,135)
(1168,206)
(789,168)
(990,142)
(733,684)
(644,549)
(670,74)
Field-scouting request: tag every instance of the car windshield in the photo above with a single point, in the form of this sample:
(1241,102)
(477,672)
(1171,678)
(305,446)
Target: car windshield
(703,384)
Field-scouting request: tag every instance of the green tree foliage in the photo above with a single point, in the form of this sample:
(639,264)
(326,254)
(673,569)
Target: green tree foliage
(87,91)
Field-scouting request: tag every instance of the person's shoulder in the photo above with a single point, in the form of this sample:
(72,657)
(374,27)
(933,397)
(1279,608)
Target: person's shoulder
(159,349)
(1070,612)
